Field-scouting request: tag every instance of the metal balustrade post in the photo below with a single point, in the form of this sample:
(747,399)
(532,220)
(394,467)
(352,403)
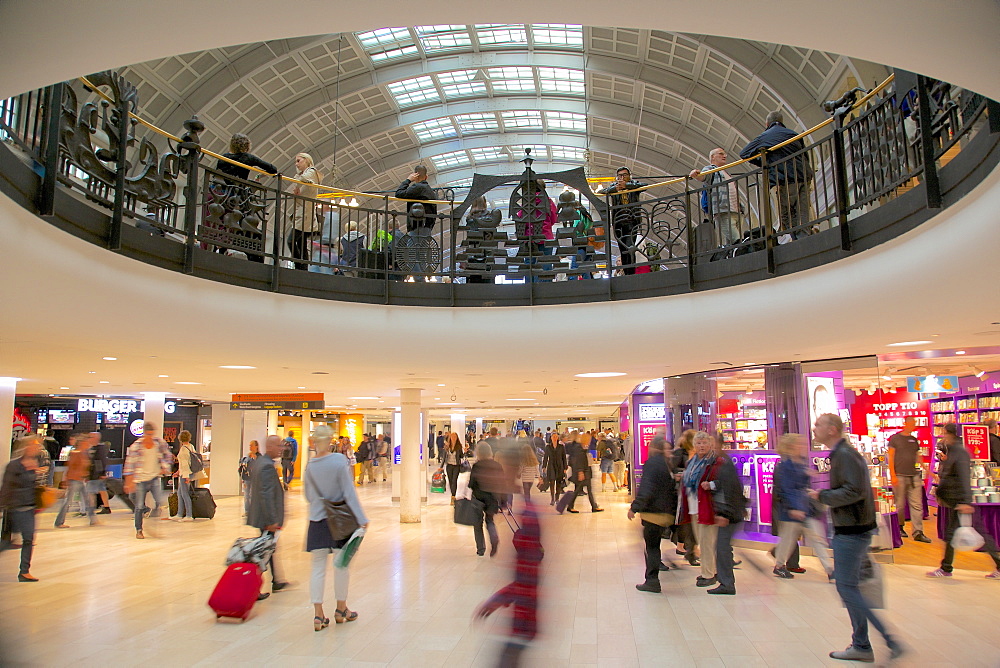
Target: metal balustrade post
(390,251)
(278,234)
(121,166)
(690,231)
(46,200)
(932,185)
(993,113)
(840,181)
(765,207)
(190,150)
(608,226)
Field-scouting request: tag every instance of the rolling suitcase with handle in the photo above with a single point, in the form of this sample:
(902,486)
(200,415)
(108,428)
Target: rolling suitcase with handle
(202,503)
(237,591)
(564,501)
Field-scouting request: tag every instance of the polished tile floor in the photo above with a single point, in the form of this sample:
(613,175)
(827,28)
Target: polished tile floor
(106,599)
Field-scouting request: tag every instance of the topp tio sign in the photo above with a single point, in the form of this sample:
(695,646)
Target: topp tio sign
(977,440)
(277,402)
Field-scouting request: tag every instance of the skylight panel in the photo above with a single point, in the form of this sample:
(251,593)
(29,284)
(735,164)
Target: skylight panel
(537,152)
(487,154)
(512,79)
(477,122)
(414,91)
(383,37)
(461,183)
(501,34)
(521,119)
(437,128)
(442,37)
(452,159)
(567,153)
(557,34)
(566,120)
(389,54)
(561,80)
(460,84)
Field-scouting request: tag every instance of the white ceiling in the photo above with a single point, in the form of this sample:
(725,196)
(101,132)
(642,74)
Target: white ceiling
(68,303)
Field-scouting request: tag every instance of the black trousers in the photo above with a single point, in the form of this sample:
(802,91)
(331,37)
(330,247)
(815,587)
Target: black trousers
(580,485)
(625,232)
(652,534)
(990,546)
(452,470)
(300,246)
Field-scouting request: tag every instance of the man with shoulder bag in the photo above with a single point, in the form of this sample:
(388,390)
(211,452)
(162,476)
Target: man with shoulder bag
(656,504)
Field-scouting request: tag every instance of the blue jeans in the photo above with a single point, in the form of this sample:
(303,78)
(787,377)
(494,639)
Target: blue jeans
(76,487)
(849,553)
(155,487)
(184,498)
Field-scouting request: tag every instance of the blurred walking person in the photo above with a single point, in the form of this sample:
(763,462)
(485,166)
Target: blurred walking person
(267,502)
(17,498)
(796,512)
(696,504)
(486,483)
(245,469)
(656,505)
(529,469)
(77,474)
(554,467)
(148,459)
(328,477)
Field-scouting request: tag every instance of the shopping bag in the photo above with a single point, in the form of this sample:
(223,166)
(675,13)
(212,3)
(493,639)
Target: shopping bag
(350,548)
(871,584)
(462,490)
(966,539)
(437,481)
(469,512)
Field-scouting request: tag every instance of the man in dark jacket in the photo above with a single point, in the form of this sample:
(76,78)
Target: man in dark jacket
(729,504)
(656,501)
(954,493)
(267,501)
(626,214)
(581,475)
(788,172)
(994,430)
(852,509)
(416,188)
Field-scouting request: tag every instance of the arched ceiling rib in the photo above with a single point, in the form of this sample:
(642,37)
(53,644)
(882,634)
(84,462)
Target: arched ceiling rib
(700,91)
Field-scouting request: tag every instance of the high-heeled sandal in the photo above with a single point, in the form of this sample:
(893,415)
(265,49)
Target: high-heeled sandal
(320,623)
(344,615)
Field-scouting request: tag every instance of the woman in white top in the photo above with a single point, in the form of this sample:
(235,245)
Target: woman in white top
(185,478)
(328,476)
(529,469)
(302,222)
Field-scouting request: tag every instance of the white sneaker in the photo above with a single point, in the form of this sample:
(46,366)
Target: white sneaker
(187,519)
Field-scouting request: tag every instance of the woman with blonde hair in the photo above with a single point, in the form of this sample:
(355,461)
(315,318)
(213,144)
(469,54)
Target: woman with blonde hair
(302,221)
(796,513)
(185,478)
(452,457)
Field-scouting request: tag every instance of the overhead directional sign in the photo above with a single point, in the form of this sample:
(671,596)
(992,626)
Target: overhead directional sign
(292,401)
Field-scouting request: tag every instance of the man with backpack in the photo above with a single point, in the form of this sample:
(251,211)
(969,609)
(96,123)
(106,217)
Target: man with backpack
(720,200)
(383,456)
(366,456)
(289,453)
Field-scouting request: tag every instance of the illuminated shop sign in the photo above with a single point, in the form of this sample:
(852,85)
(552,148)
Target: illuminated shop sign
(651,413)
(932,384)
(119,406)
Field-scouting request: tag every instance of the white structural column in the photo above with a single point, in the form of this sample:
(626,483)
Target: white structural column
(153,409)
(458,425)
(304,452)
(8,389)
(254,429)
(227,443)
(410,488)
(272,425)
(479,426)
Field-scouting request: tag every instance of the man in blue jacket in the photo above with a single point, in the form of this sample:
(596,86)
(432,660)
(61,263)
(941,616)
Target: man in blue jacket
(788,172)
(852,509)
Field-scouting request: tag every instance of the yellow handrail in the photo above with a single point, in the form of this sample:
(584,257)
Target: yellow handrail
(342,192)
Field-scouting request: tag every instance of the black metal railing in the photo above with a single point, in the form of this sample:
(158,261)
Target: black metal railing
(88,135)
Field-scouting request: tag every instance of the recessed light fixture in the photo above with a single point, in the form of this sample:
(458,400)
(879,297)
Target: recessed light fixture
(601,374)
(163,375)
(440,384)
(749,363)
(959,352)
(109,359)
(105,382)
(91,372)
(63,388)
(900,344)
(234,366)
(187,382)
(302,388)
(979,372)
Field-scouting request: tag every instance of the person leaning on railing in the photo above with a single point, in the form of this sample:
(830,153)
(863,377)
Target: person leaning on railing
(302,222)
(789,177)
(416,187)
(625,215)
(239,151)
(721,200)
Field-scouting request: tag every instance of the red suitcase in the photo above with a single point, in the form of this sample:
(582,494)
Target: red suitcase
(237,591)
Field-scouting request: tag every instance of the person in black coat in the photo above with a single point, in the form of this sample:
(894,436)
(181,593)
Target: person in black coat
(579,462)
(729,503)
(655,502)
(554,466)
(487,484)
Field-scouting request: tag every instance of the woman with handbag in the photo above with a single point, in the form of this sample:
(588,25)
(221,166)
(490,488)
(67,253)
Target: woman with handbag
(656,504)
(328,477)
(18,498)
(452,459)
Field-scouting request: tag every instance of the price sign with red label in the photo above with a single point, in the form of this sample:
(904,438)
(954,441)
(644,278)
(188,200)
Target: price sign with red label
(977,440)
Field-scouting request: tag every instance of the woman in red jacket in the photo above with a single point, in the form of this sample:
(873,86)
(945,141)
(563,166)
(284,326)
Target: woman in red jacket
(696,503)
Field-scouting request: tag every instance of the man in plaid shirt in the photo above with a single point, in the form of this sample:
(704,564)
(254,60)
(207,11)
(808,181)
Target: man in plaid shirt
(147,459)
